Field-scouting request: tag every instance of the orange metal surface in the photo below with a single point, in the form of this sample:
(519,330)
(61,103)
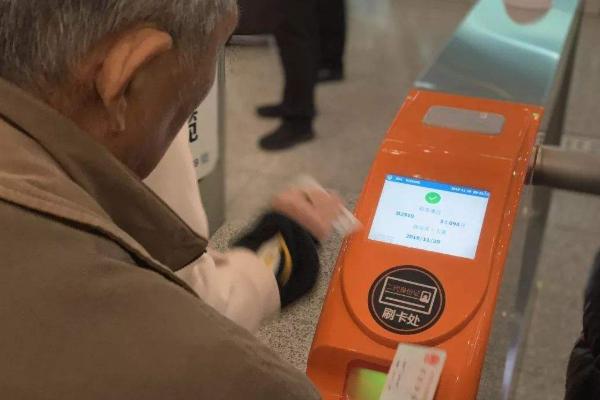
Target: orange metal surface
(347,334)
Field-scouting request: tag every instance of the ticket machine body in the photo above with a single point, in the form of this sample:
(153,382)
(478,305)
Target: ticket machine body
(438,209)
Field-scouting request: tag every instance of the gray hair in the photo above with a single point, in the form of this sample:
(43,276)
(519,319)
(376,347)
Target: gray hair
(41,40)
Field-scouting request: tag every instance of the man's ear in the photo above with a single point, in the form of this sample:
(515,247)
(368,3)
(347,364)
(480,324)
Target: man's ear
(123,60)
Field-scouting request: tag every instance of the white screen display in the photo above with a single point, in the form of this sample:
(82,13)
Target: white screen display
(430,216)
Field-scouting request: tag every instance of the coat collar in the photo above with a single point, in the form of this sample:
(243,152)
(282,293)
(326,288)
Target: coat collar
(125,199)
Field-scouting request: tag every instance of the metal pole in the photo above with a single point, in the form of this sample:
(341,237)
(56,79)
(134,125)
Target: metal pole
(568,170)
(213,186)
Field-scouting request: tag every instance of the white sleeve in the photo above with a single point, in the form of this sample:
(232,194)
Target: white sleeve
(236,283)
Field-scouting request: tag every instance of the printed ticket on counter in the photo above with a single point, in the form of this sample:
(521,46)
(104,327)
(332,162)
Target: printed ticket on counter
(414,374)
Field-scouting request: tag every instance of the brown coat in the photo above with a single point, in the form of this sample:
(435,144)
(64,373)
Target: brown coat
(90,306)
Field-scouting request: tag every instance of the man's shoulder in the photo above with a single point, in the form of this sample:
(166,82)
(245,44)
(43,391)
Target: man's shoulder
(75,296)
(29,236)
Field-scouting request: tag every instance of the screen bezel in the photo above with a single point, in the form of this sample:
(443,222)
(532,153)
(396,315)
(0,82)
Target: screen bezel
(434,182)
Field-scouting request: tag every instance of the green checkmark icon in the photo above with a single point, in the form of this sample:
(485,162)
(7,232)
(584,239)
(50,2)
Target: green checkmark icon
(433,198)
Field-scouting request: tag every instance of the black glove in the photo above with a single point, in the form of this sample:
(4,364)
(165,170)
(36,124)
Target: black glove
(298,269)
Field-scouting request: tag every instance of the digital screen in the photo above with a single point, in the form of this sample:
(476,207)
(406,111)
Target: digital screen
(430,216)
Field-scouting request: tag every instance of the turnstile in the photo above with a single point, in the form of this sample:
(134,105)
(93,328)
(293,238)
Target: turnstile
(407,277)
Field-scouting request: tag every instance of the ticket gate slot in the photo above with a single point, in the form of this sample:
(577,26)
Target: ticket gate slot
(438,209)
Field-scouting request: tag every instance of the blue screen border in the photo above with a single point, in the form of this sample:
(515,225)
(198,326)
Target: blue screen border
(468,191)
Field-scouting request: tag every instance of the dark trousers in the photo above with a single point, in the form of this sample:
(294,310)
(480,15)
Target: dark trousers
(332,33)
(312,35)
(298,42)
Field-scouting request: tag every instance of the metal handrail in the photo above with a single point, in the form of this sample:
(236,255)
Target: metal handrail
(568,170)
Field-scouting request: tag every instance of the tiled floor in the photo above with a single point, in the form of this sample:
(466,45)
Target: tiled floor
(390,41)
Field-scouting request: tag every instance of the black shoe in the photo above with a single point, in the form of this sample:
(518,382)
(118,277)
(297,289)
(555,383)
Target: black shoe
(289,134)
(326,74)
(271,111)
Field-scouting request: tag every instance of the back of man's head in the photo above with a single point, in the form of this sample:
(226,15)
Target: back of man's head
(40,40)
(127,72)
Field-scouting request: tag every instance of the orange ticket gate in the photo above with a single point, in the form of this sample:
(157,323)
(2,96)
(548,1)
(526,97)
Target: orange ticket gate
(440,205)
(438,208)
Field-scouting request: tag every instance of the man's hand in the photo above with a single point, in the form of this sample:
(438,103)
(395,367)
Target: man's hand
(285,239)
(315,209)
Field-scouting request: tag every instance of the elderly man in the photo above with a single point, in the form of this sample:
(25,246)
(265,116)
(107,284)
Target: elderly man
(105,292)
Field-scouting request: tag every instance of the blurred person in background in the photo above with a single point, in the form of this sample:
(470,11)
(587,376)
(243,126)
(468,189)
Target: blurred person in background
(583,373)
(311,40)
(332,40)
(106,292)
